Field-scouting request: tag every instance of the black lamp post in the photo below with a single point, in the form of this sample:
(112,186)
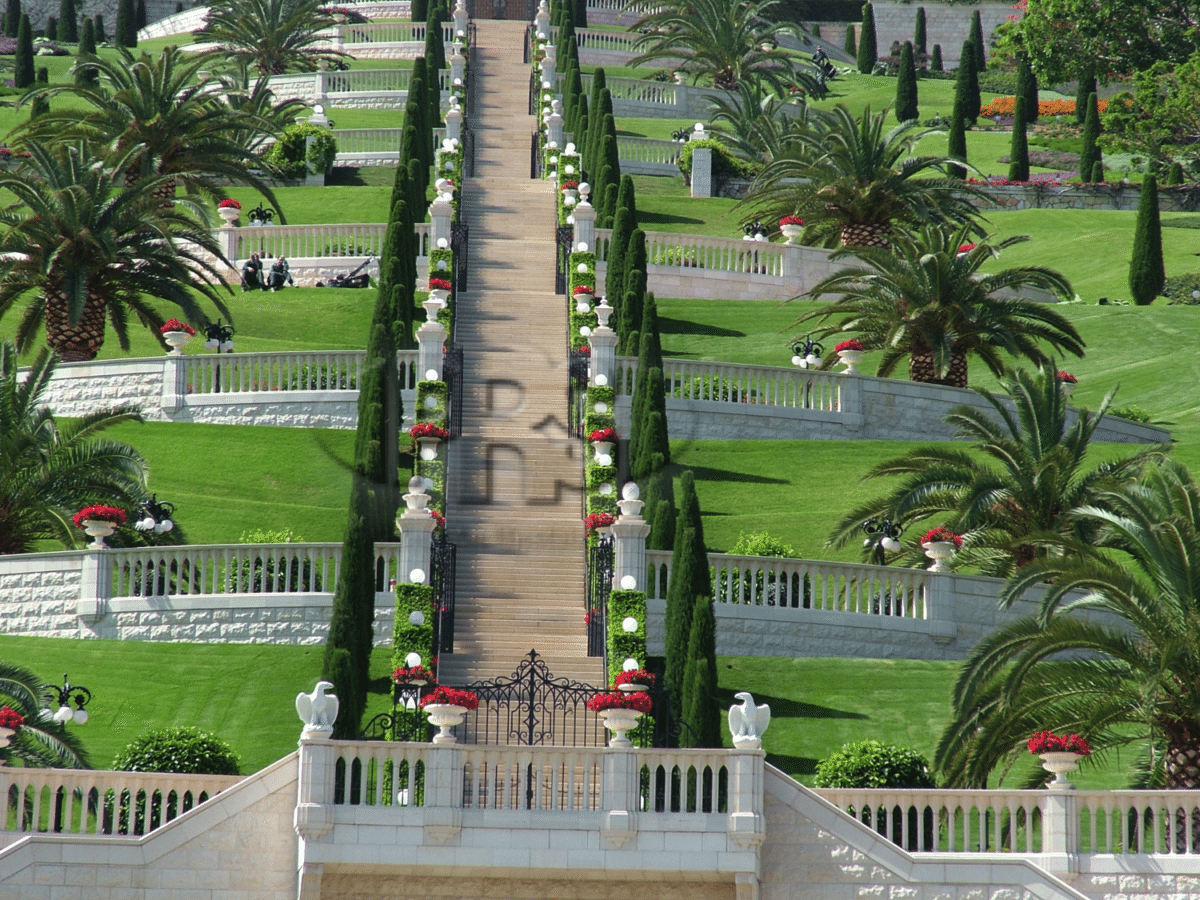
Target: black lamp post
(64,696)
(806,353)
(219,337)
(884,537)
(754,231)
(261,215)
(157,516)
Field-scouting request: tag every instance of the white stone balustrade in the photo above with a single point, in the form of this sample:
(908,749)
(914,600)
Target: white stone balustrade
(729,383)
(647,156)
(350,36)
(77,802)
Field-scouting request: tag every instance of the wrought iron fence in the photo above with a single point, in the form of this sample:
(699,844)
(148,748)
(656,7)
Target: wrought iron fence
(444,559)
(535,158)
(452,374)
(564,236)
(533,93)
(405,722)
(599,586)
(460,246)
(577,372)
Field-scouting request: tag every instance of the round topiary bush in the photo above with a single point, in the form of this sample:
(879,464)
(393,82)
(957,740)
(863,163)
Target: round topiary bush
(872,764)
(184,749)
(290,156)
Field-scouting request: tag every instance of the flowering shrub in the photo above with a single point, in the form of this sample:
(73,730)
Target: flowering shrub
(409,674)
(618,700)
(570,185)
(583,289)
(176,325)
(439,284)
(428,430)
(943,534)
(635,676)
(1066,377)
(1007,106)
(450,696)
(791,220)
(585,350)
(965,248)
(598,520)
(439,520)
(10,718)
(848,345)
(608,435)
(1049,742)
(229,203)
(99,514)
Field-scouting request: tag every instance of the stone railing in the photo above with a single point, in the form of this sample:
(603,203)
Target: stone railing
(471,799)
(592,39)
(1050,823)
(386,33)
(180,23)
(646,156)
(368,140)
(70,801)
(1117,195)
(268,593)
(657,99)
(354,88)
(711,382)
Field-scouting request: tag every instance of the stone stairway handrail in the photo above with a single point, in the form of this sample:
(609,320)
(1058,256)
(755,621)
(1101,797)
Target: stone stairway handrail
(651,150)
(594,39)
(698,251)
(718,382)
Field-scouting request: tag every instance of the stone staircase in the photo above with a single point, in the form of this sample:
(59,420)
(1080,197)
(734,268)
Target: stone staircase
(515,476)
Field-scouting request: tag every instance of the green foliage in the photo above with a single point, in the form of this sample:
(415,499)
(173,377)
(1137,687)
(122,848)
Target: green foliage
(23,75)
(126,33)
(1146,274)
(181,749)
(139,17)
(420,10)
(1158,117)
(1085,87)
(51,28)
(849,45)
(624,645)
(101,34)
(409,638)
(292,158)
(700,706)
(935,59)
(12,17)
(1174,175)
(968,77)
(1027,86)
(1018,167)
(956,145)
(690,578)
(762,543)
(906,86)
(978,42)
(440,394)
(725,164)
(270,536)
(339,670)
(68,21)
(1090,155)
(868,50)
(871,764)
(920,31)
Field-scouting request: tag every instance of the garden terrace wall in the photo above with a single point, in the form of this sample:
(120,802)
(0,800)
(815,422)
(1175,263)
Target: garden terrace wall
(946,24)
(723,401)
(1118,195)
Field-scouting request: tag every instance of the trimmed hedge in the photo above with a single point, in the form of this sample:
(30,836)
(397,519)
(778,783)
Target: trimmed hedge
(406,637)
(181,749)
(622,645)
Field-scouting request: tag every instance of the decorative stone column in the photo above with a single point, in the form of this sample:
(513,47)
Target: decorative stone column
(95,586)
(747,825)
(541,22)
(416,534)
(585,223)
(1060,831)
(440,214)
(618,797)
(460,18)
(603,341)
(454,122)
(554,124)
(457,63)
(548,65)
(629,541)
(226,237)
(174,388)
(443,792)
(431,338)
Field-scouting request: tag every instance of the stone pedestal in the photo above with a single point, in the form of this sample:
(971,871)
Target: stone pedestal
(702,172)
(440,214)
(603,341)
(585,225)
(454,124)
(431,337)
(416,533)
(554,129)
(629,541)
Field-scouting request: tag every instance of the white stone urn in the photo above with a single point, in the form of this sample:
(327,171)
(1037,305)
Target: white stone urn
(1060,763)
(98,530)
(619,721)
(441,295)
(229,214)
(603,452)
(6,736)
(850,359)
(791,232)
(570,195)
(681,77)
(445,716)
(632,688)
(428,447)
(939,552)
(176,340)
(1068,388)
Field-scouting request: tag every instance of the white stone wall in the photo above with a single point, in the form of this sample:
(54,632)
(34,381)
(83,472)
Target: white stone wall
(945,25)
(77,389)
(39,594)
(350,886)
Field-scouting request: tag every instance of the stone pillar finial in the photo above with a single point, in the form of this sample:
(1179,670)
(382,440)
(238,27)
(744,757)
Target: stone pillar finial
(318,710)
(629,542)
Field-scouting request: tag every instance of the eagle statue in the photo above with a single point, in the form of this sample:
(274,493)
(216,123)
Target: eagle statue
(748,722)
(318,710)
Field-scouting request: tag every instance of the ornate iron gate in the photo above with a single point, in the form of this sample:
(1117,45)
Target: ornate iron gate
(577,379)
(599,586)
(444,558)
(452,374)
(459,235)
(564,236)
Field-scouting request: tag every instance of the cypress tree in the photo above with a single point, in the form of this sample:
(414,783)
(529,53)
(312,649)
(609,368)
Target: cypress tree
(906,86)
(400,186)
(178,6)
(1175,175)
(418,93)
(627,198)
(435,47)
(419,10)
(376,450)
(1091,135)
(610,157)
(977,39)
(126,34)
(816,29)
(614,276)
(1031,89)
(1098,172)
(601,108)
(1146,273)
(646,443)
(868,51)
(919,32)
(591,145)
(140,17)
(87,45)
(580,127)
(1085,88)
(633,291)
(23,64)
(935,59)
(1018,166)
(972,100)
(68,22)
(101,37)
(660,504)
(849,44)
(433,104)
(579,13)
(51,28)
(12,18)
(700,708)
(957,143)
(690,578)
(610,202)
(40,105)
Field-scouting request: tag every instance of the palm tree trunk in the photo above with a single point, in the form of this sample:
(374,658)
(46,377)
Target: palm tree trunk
(1183,774)
(79,342)
(921,368)
(866,234)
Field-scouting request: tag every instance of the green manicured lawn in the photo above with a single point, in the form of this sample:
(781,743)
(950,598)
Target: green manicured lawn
(666,204)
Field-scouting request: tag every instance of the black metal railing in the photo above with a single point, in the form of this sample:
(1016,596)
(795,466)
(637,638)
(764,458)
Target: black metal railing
(533,93)
(599,586)
(535,158)
(528,42)
(405,722)
(459,244)
(443,561)
(452,374)
(578,363)
(564,236)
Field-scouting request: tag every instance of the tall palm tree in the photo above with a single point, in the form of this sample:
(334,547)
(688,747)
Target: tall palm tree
(855,182)
(40,742)
(167,116)
(1129,675)
(924,300)
(272,36)
(1025,474)
(724,42)
(89,248)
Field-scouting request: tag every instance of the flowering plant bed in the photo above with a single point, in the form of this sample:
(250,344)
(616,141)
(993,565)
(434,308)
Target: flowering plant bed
(450,697)
(409,674)
(635,676)
(176,325)
(1066,377)
(585,350)
(229,203)
(99,514)
(439,284)
(439,521)
(10,718)
(942,534)
(848,345)
(598,520)
(791,220)
(583,289)
(640,702)
(428,430)
(608,435)
(570,185)
(1049,742)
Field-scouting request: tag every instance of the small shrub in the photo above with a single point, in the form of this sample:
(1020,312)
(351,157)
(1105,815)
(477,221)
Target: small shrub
(872,764)
(762,543)
(182,749)
(290,157)
(1132,413)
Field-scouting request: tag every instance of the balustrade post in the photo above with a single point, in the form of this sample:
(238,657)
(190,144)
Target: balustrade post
(585,226)
(457,64)
(321,87)
(431,338)
(444,791)
(460,18)
(174,384)
(747,824)
(313,818)
(554,128)
(547,67)
(1060,831)
(629,532)
(941,594)
(790,266)
(541,22)
(95,586)
(454,124)
(619,796)
(440,213)
(702,172)
(226,237)
(416,534)
(603,341)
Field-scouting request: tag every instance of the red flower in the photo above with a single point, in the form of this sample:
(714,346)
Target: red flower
(941,534)
(848,345)
(570,185)
(639,701)
(1067,377)
(1049,742)
(598,520)
(428,430)
(450,696)
(10,718)
(635,676)
(176,325)
(603,434)
(229,203)
(409,674)
(99,514)
(440,284)
(965,248)
(583,289)
(439,519)
(791,220)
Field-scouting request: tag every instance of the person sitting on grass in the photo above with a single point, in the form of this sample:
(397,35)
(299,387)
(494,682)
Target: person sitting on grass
(281,274)
(252,274)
